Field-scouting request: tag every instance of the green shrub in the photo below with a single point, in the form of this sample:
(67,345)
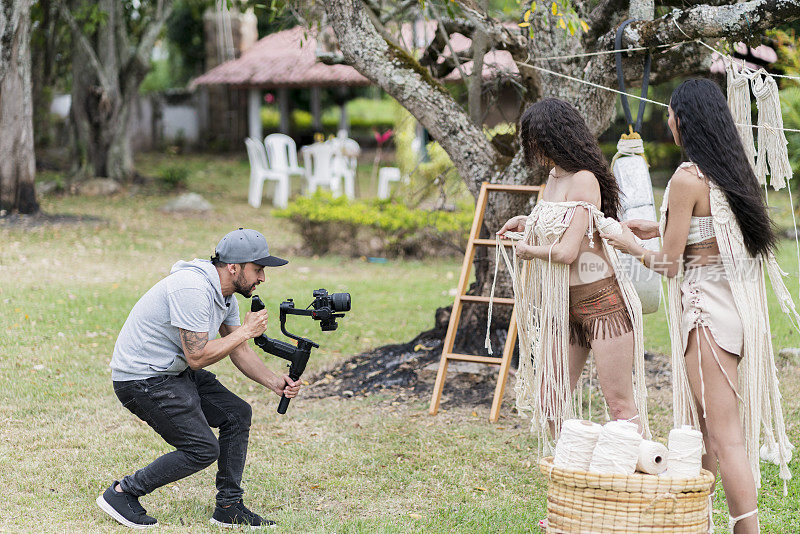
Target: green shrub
(376,227)
(174,177)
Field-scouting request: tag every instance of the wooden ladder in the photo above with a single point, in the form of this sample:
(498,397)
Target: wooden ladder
(461,297)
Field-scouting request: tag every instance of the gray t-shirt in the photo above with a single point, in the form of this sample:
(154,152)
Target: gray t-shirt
(191,298)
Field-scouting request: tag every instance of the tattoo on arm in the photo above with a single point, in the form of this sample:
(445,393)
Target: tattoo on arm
(193,341)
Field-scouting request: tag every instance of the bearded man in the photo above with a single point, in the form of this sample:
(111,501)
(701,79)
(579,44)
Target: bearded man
(158,374)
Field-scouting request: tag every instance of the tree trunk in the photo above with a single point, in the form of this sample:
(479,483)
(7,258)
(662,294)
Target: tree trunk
(107,72)
(99,113)
(17,161)
(475,89)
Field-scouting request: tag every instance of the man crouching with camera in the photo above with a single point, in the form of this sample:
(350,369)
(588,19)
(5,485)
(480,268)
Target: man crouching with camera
(158,374)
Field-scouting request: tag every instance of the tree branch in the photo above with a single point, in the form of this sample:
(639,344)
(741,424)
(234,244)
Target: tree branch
(687,3)
(735,21)
(502,38)
(602,18)
(378,24)
(140,59)
(440,29)
(84,43)
(397,11)
(401,76)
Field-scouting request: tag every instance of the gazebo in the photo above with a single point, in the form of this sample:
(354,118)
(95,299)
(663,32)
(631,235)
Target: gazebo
(281,61)
(288,60)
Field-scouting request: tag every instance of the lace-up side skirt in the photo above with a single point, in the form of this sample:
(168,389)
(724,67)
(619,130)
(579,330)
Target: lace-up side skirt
(708,301)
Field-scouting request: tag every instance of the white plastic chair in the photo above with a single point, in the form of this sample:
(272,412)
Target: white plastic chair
(345,163)
(386,175)
(282,154)
(260,171)
(318,162)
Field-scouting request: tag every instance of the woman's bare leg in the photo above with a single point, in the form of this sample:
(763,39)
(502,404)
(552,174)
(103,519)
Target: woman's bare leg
(722,430)
(614,360)
(709,458)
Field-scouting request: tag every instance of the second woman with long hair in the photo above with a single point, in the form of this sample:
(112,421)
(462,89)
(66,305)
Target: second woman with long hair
(717,240)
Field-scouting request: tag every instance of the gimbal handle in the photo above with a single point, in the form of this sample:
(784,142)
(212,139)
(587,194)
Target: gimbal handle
(284,404)
(296,355)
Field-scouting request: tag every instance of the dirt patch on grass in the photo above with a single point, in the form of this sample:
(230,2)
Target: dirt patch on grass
(408,370)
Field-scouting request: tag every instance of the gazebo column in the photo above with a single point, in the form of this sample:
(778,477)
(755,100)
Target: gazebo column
(316,109)
(285,109)
(254,114)
(344,122)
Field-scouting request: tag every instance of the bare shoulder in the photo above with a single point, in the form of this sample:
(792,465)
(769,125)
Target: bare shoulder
(584,187)
(687,180)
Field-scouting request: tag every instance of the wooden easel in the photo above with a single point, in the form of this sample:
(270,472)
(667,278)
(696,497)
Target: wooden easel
(461,297)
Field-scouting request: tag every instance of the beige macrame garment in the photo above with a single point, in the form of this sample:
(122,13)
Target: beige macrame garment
(758,379)
(541,295)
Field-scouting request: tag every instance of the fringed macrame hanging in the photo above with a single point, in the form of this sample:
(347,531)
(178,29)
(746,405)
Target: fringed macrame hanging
(771,139)
(739,103)
(772,155)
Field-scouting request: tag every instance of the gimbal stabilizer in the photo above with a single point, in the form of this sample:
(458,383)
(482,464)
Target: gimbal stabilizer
(322,309)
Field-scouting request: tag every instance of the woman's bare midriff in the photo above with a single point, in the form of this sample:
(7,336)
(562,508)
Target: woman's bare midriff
(591,264)
(702,253)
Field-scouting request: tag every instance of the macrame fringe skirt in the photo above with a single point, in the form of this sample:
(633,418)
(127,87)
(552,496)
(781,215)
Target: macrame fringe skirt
(597,311)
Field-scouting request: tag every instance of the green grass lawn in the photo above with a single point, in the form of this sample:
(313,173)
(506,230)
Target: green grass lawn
(363,464)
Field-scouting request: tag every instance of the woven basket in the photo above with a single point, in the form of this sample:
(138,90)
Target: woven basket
(583,502)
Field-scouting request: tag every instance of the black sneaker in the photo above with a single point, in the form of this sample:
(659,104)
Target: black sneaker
(237,515)
(125,508)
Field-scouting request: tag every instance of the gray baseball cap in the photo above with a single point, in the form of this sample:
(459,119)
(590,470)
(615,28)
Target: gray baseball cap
(245,245)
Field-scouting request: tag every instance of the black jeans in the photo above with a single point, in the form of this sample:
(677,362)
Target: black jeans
(182,409)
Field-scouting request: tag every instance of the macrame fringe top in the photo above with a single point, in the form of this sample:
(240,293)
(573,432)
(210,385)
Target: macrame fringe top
(541,295)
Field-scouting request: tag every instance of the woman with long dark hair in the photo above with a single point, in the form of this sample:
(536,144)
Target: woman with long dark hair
(569,297)
(716,240)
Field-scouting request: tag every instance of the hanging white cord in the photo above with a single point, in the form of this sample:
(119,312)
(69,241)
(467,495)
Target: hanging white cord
(728,56)
(796,239)
(603,52)
(663,105)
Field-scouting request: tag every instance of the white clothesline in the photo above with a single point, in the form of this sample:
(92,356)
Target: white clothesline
(603,87)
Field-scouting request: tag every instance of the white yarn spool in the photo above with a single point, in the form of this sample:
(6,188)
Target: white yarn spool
(617,449)
(652,458)
(576,444)
(685,452)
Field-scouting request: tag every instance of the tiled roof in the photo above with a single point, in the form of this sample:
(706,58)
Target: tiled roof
(288,59)
(282,59)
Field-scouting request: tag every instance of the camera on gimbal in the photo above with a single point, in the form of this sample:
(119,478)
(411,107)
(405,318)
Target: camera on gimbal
(326,304)
(325,308)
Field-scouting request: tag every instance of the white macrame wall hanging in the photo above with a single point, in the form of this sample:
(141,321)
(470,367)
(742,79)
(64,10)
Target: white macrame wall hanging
(771,158)
(771,139)
(739,103)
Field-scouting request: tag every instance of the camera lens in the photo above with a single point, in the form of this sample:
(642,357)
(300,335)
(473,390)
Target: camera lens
(341,302)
